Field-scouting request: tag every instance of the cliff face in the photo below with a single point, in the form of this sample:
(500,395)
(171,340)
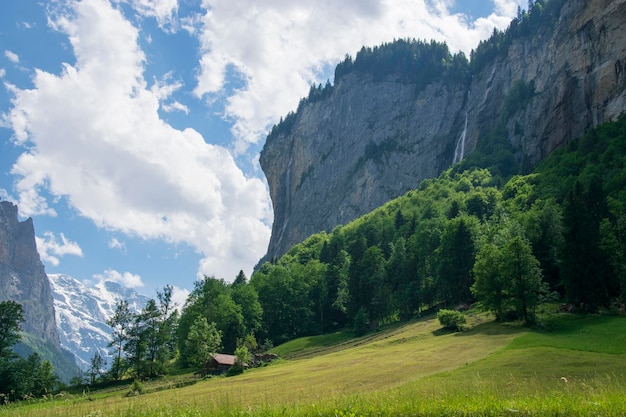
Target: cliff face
(372,140)
(22,275)
(577,66)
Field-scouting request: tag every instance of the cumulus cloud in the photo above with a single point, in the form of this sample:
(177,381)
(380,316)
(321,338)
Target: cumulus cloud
(125,279)
(281,47)
(94,135)
(12,56)
(51,248)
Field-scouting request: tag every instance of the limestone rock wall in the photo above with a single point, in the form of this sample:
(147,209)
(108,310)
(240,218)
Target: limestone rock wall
(373,140)
(23,277)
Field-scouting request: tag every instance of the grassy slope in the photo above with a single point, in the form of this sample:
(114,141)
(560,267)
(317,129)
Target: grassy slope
(409,368)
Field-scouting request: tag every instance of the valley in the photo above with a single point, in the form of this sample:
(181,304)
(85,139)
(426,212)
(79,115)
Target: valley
(407,369)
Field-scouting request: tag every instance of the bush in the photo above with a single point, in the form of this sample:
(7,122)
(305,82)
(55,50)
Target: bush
(451,319)
(361,322)
(136,388)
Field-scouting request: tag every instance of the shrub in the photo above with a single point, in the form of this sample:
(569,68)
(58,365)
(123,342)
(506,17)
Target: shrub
(136,388)
(361,322)
(451,319)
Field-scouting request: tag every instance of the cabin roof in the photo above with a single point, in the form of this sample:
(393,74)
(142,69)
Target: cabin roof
(223,359)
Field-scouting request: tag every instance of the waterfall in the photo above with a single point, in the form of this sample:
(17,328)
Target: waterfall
(459,150)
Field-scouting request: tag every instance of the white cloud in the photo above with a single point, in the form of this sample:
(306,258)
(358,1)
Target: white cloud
(93,132)
(114,243)
(163,90)
(281,47)
(179,296)
(164,11)
(51,249)
(12,56)
(94,135)
(3,72)
(125,279)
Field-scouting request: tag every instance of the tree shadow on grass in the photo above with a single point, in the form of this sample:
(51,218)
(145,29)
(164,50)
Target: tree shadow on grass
(487,327)
(443,331)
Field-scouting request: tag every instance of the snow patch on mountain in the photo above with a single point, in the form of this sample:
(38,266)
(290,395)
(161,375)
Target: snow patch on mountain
(82,311)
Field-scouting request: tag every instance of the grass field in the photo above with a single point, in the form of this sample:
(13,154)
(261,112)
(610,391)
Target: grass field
(575,366)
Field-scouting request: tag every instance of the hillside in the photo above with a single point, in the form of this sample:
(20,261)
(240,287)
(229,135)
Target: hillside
(402,112)
(449,243)
(575,368)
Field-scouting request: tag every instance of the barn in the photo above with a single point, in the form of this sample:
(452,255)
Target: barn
(220,363)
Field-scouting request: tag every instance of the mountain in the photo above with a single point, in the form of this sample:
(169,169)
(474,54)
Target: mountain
(403,112)
(82,311)
(23,279)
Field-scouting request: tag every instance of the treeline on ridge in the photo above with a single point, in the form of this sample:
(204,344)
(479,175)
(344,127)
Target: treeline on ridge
(423,62)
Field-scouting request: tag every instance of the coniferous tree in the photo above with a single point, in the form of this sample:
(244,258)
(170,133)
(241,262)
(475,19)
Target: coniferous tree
(586,271)
(456,259)
(120,322)
(96,367)
(11,317)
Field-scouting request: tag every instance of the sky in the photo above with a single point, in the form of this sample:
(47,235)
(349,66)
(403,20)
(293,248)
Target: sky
(130,130)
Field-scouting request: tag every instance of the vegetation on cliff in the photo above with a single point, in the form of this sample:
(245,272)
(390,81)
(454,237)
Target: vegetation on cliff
(468,236)
(421,62)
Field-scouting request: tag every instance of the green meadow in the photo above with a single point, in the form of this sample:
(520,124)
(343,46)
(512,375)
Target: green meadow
(566,365)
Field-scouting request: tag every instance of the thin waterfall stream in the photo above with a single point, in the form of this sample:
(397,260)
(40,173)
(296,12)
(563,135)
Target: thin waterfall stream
(459,150)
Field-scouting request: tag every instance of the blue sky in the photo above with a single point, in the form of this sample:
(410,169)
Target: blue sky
(130,129)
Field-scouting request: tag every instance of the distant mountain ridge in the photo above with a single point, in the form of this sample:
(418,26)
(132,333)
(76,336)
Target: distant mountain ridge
(373,135)
(82,311)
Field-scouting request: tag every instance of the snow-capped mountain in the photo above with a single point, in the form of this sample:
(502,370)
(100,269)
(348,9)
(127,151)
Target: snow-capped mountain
(81,313)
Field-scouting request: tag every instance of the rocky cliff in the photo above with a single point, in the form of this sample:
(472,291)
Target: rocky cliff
(22,275)
(372,138)
(23,279)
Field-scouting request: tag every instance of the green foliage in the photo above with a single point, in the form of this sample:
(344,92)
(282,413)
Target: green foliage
(412,61)
(405,60)
(587,274)
(468,235)
(202,341)
(26,378)
(540,14)
(452,319)
(136,388)
(234,308)
(20,378)
(120,322)
(96,367)
(242,360)
(11,317)
(490,286)
(522,274)
(361,322)
(456,255)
